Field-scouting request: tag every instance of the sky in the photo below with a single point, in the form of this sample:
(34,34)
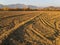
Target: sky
(42,3)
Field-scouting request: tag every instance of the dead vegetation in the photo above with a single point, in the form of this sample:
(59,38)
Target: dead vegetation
(28,28)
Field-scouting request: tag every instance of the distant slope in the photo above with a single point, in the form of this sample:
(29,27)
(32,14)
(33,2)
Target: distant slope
(18,6)
(29,6)
(1,6)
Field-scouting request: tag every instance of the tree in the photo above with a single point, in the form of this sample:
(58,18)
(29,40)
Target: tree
(5,8)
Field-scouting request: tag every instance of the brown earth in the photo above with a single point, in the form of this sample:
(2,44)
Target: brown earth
(29,27)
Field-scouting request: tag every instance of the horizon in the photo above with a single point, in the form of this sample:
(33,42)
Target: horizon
(39,3)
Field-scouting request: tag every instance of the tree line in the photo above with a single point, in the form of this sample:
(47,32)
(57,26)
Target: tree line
(17,9)
(29,9)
